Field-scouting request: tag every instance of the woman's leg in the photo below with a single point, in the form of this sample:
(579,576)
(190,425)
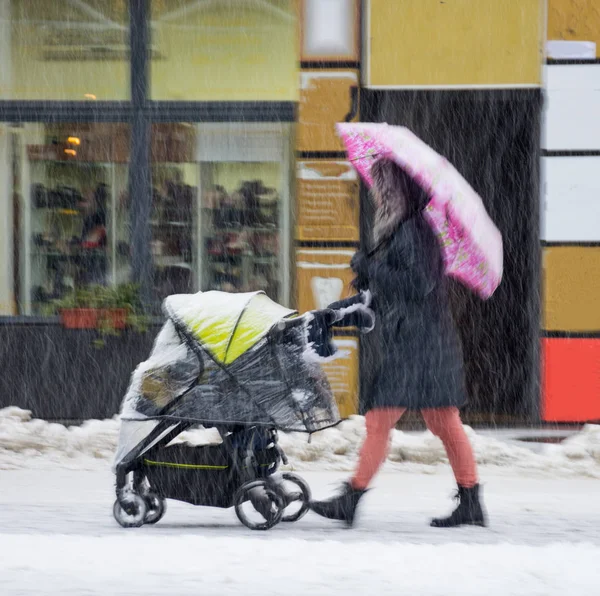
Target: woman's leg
(379,423)
(446,424)
(372,454)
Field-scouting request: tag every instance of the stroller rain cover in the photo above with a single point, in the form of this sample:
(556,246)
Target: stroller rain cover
(223,359)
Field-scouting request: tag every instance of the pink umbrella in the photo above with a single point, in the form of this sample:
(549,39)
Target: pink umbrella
(471,243)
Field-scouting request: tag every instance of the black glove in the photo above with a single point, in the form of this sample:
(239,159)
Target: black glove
(319,333)
(347,302)
(360,265)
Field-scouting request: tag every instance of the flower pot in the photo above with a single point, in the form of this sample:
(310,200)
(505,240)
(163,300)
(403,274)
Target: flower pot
(79,318)
(117,317)
(90,318)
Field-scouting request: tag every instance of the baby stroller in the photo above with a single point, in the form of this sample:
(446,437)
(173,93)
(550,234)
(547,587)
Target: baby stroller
(246,367)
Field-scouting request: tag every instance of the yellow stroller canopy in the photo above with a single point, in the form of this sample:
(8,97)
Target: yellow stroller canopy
(227,325)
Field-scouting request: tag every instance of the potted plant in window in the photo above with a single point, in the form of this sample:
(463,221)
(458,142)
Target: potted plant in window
(108,310)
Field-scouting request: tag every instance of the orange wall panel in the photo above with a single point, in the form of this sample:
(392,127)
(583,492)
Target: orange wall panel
(571,380)
(327,201)
(342,374)
(577,20)
(325,99)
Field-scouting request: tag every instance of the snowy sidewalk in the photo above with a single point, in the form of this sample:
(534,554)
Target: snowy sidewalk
(134,565)
(57,536)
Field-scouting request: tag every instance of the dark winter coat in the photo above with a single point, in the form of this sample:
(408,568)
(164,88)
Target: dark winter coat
(414,353)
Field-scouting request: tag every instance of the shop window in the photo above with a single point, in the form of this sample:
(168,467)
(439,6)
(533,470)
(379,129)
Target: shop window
(70,226)
(224,51)
(220,215)
(64,50)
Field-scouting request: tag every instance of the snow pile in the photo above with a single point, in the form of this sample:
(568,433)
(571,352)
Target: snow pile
(337,449)
(23,439)
(29,442)
(585,445)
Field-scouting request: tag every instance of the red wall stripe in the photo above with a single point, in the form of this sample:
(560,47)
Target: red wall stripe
(571,380)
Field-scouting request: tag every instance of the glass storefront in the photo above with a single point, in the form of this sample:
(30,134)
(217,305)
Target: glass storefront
(219,218)
(99,186)
(64,50)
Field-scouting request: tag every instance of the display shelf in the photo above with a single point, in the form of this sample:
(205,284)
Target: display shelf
(82,253)
(52,268)
(170,261)
(59,210)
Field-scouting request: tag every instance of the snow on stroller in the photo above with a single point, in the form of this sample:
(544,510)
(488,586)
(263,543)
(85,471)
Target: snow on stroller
(247,367)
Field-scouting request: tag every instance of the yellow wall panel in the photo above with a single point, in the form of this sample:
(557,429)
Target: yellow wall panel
(574,20)
(456,42)
(571,288)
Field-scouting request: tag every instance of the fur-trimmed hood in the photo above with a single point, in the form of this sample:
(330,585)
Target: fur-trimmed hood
(397,198)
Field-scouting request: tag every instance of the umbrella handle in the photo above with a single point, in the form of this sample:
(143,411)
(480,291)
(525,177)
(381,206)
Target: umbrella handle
(353,104)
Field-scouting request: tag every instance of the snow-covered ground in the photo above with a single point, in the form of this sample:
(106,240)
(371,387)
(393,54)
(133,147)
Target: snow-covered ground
(58,537)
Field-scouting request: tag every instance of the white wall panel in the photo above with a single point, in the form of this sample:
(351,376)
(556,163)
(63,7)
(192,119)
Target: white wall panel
(571,193)
(572,107)
(329,29)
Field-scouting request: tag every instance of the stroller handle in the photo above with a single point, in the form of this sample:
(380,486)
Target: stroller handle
(329,316)
(291,322)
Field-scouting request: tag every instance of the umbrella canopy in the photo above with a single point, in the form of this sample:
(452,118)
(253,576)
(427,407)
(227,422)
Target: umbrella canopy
(227,325)
(471,243)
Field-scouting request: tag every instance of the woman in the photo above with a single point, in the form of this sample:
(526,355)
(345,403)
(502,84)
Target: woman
(417,348)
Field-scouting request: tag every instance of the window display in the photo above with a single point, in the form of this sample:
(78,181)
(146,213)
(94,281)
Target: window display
(220,208)
(67,220)
(241,229)
(219,217)
(172,226)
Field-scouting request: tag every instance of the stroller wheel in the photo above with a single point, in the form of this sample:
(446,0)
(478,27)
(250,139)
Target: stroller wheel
(265,499)
(302,496)
(130,512)
(156,508)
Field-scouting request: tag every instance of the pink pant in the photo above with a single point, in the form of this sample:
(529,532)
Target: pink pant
(445,423)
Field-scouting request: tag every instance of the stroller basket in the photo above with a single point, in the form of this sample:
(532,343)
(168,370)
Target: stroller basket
(205,475)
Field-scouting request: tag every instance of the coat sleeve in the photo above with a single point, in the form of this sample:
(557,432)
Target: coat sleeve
(406,272)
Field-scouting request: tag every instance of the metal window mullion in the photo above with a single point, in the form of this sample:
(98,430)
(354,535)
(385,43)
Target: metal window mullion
(221,111)
(140,186)
(64,111)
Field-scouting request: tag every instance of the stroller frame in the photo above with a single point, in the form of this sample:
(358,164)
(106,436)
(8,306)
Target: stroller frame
(140,502)
(249,478)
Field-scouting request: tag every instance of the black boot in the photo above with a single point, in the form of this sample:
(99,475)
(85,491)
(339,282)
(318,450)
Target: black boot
(342,507)
(468,513)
